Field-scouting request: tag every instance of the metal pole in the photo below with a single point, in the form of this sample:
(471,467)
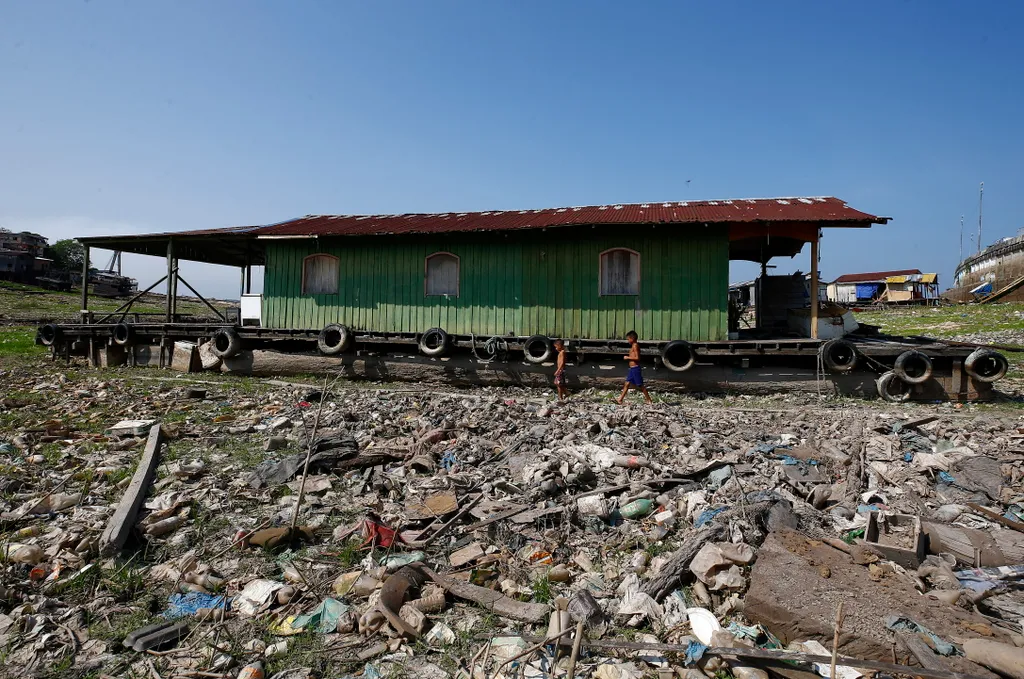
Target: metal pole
(248,279)
(814,287)
(85,286)
(981,200)
(961,238)
(170,278)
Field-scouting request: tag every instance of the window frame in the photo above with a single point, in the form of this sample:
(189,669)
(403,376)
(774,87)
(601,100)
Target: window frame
(458,273)
(337,268)
(600,274)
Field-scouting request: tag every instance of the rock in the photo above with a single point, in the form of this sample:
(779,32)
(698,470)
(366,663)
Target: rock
(1005,659)
(275,443)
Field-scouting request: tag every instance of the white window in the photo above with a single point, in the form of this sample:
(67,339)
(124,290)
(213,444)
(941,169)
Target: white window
(442,275)
(320,275)
(620,272)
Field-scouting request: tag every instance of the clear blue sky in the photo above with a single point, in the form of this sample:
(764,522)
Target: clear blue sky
(126,116)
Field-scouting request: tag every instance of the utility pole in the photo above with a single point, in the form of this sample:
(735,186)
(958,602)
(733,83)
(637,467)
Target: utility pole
(961,238)
(981,201)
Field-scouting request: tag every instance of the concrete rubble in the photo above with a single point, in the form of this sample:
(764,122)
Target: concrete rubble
(496,533)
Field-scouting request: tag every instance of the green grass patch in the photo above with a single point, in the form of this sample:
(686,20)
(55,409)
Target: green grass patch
(542,593)
(946,321)
(20,341)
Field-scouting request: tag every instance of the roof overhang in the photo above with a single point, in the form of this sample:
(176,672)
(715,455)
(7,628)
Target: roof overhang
(227,249)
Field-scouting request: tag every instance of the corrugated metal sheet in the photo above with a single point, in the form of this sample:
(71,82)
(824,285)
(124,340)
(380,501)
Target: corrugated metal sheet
(822,209)
(876,276)
(929,277)
(519,285)
(825,210)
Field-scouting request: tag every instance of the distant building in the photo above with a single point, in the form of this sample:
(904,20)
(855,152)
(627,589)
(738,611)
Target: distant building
(906,286)
(21,256)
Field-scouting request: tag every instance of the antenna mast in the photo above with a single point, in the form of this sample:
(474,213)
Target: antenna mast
(961,238)
(981,200)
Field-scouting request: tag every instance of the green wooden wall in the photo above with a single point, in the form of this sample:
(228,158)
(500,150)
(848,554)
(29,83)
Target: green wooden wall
(542,282)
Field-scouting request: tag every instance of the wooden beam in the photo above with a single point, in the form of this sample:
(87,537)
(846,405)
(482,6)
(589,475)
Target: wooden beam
(115,535)
(170,278)
(814,287)
(85,286)
(202,299)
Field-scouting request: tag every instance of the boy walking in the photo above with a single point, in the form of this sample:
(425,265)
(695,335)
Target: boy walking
(635,376)
(560,369)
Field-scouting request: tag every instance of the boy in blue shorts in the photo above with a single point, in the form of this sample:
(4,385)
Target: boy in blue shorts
(635,376)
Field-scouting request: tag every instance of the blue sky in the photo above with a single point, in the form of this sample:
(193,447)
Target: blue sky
(125,116)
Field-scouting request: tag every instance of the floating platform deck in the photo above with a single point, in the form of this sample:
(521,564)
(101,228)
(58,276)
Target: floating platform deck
(742,365)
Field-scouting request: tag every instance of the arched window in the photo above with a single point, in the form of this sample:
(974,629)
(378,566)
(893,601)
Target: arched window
(442,275)
(320,275)
(620,272)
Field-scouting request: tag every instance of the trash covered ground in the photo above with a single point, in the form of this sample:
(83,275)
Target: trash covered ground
(496,533)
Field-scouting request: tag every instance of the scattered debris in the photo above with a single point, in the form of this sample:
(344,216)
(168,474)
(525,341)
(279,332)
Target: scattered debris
(491,532)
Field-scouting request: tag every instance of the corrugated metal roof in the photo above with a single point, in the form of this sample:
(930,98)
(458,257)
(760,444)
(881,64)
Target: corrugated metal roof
(875,276)
(826,210)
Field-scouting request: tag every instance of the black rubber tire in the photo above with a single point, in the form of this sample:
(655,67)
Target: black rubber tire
(678,356)
(334,339)
(50,334)
(839,355)
(530,344)
(434,342)
(123,334)
(227,343)
(892,389)
(913,367)
(985,365)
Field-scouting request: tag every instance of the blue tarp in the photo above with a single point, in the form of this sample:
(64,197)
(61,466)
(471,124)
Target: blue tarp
(983,289)
(868,290)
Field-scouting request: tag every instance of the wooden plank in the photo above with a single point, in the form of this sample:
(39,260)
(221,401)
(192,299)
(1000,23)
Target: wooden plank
(997,517)
(123,521)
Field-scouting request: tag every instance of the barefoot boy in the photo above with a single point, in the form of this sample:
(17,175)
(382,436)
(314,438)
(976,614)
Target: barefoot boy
(560,369)
(635,376)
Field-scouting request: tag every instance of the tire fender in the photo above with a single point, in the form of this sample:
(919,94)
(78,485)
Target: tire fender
(123,334)
(227,343)
(893,389)
(434,342)
(531,344)
(985,365)
(334,339)
(678,356)
(913,367)
(839,355)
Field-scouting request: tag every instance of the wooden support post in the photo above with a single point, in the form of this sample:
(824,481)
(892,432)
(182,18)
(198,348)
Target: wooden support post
(85,286)
(174,295)
(170,279)
(814,287)
(123,521)
(248,274)
(241,282)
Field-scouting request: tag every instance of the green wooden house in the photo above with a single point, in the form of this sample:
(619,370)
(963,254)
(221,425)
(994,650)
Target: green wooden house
(593,273)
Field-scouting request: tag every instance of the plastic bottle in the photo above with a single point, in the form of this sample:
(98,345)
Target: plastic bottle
(637,509)
(252,671)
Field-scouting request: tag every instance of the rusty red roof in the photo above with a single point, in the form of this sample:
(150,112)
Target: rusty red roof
(826,210)
(874,276)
